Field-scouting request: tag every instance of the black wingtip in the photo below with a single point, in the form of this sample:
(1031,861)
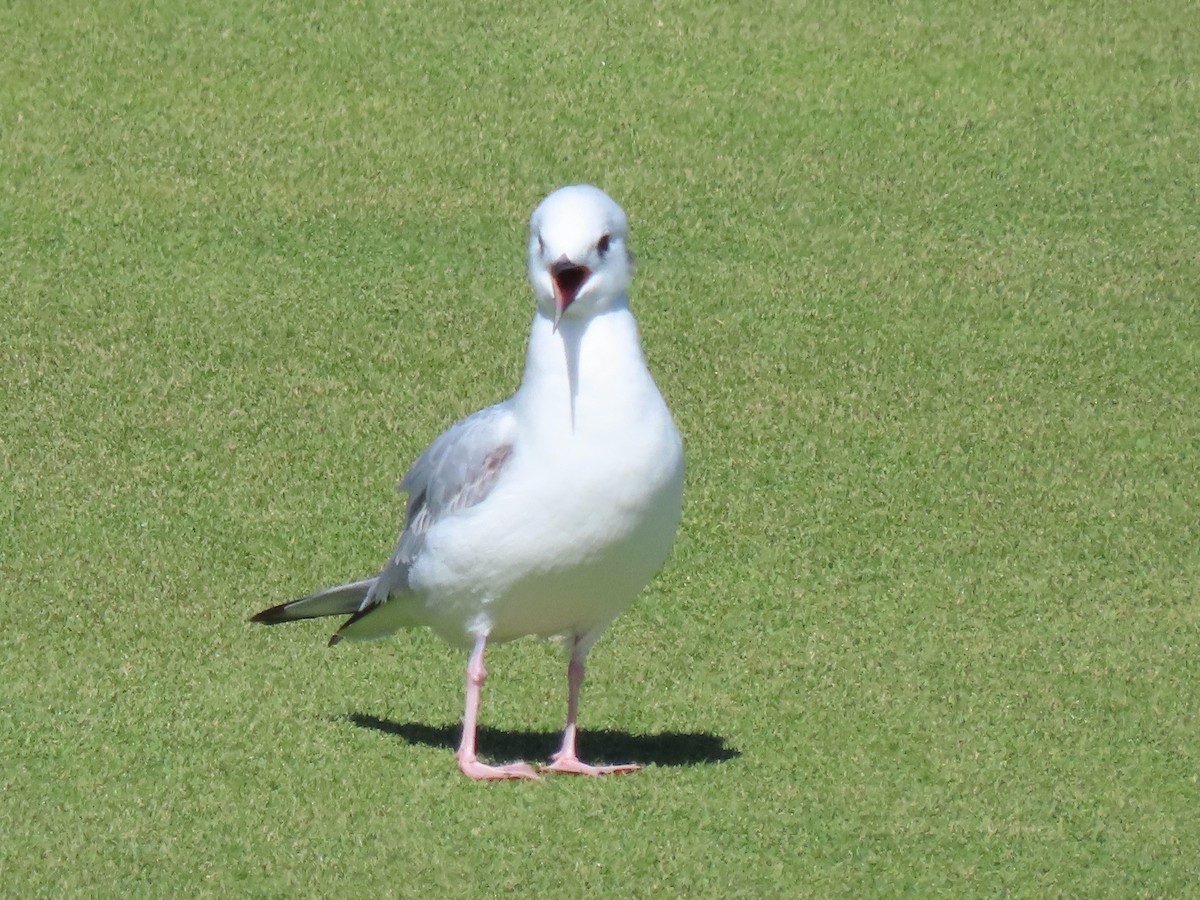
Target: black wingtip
(337,637)
(272,616)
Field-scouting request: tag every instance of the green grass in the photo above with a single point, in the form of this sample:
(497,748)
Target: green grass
(920,282)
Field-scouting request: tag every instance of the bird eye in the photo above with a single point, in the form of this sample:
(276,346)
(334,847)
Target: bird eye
(541,246)
(602,244)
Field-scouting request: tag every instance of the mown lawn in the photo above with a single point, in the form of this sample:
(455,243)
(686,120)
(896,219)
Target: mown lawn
(920,282)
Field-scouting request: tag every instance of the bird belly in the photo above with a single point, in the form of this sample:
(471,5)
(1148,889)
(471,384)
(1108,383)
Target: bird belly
(547,562)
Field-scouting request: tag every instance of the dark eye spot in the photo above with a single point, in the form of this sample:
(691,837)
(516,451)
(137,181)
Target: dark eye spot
(541,246)
(602,244)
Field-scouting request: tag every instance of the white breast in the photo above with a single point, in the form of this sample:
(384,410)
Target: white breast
(586,509)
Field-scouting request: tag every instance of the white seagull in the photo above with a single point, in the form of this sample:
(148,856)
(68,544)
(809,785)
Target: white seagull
(545,514)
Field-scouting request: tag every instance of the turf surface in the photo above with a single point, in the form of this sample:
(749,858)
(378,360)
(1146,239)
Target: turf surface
(920,282)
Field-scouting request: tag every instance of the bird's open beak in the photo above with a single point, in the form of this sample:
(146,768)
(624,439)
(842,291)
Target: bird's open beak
(567,278)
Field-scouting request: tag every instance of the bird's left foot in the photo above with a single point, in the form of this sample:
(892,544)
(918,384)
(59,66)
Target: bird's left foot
(571,765)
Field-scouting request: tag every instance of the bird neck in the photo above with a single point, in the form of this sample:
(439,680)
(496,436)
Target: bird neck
(586,367)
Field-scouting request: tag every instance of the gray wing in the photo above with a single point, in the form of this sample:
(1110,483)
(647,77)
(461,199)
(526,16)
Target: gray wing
(457,471)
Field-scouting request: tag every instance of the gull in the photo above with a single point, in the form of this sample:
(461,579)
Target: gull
(546,514)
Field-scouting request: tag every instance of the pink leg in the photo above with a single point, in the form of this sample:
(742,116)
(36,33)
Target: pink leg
(566,760)
(467,761)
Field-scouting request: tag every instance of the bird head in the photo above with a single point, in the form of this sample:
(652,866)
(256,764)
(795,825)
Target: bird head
(579,263)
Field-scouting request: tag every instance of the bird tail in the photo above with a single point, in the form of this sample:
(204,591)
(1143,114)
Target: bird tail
(343,600)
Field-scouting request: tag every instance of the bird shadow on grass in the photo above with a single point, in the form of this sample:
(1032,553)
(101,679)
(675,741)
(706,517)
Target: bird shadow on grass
(668,748)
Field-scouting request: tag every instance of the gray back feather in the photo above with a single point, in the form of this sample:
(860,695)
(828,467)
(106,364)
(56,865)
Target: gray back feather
(457,471)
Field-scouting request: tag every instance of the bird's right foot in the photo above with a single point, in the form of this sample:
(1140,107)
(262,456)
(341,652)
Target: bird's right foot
(477,771)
